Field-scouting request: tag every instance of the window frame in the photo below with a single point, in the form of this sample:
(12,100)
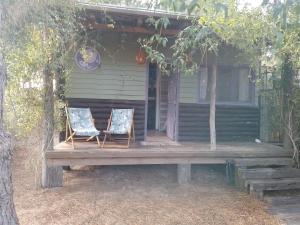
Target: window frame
(252,87)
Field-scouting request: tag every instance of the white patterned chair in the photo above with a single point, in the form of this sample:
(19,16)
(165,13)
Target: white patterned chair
(80,123)
(120,123)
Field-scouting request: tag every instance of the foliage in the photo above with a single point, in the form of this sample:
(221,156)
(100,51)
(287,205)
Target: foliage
(37,35)
(272,104)
(215,25)
(286,17)
(292,124)
(285,52)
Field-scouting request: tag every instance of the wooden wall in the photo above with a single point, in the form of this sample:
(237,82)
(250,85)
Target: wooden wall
(118,83)
(101,109)
(233,123)
(189,85)
(118,77)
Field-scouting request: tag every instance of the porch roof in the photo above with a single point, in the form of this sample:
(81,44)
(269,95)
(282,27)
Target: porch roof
(137,11)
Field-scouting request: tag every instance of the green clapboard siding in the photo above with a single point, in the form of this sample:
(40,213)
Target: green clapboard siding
(188,89)
(119,76)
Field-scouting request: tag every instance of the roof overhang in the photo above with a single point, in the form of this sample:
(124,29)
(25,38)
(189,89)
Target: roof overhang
(142,12)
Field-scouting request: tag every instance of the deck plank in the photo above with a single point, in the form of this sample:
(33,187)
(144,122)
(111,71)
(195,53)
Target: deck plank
(86,153)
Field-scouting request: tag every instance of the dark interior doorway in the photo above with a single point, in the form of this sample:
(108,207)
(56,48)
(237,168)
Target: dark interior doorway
(152,90)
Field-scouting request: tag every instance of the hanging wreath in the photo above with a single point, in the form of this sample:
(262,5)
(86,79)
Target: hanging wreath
(88,58)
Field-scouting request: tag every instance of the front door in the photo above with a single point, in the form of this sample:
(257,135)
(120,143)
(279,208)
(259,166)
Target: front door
(172,106)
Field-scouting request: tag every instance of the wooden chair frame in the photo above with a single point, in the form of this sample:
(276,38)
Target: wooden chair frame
(131,131)
(70,133)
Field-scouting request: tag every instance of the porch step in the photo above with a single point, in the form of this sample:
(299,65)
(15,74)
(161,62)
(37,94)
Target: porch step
(292,220)
(246,175)
(259,176)
(258,187)
(260,162)
(233,165)
(283,200)
(288,213)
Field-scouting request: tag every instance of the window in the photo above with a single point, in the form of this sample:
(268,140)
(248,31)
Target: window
(233,84)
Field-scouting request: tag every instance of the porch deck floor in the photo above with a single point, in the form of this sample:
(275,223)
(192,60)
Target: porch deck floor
(88,153)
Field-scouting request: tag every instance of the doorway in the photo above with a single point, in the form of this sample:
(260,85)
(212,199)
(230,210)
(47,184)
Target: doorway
(161,110)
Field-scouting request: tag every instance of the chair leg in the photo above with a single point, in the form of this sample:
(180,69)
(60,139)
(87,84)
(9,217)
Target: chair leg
(105,136)
(69,138)
(72,139)
(129,138)
(133,132)
(66,132)
(90,138)
(98,141)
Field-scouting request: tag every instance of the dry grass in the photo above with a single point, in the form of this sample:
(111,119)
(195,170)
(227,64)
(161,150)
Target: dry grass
(133,195)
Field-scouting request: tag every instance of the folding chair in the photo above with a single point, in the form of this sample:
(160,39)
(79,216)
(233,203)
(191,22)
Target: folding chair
(80,123)
(120,122)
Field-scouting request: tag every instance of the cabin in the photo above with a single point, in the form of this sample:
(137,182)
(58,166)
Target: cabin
(176,106)
(171,116)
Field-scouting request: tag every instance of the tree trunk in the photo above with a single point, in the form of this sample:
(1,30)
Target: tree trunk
(8,214)
(287,92)
(51,176)
(212,111)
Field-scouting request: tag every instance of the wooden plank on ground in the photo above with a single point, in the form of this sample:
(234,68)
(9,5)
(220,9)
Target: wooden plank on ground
(246,175)
(287,211)
(257,187)
(283,200)
(295,220)
(233,166)
(268,173)
(258,162)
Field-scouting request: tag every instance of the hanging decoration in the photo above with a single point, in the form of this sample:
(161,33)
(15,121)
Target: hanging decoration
(140,57)
(189,59)
(88,58)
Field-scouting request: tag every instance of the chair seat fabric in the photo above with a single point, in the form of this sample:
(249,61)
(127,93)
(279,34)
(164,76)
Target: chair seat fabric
(86,132)
(81,121)
(121,121)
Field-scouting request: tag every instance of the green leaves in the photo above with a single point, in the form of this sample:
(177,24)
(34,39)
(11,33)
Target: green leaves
(216,24)
(37,34)
(159,24)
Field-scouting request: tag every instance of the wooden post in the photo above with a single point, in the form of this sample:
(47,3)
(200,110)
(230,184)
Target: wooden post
(8,214)
(51,176)
(184,173)
(287,79)
(212,111)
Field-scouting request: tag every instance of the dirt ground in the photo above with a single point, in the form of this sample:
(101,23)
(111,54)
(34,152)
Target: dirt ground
(134,195)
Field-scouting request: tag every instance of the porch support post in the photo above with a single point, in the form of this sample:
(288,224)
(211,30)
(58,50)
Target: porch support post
(52,176)
(212,110)
(184,173)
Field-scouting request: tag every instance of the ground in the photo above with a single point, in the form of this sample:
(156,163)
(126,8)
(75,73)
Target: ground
(133,195)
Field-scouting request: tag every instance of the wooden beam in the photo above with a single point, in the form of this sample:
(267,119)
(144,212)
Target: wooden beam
(79,154)
(132,161)
(184,173)
(128,29)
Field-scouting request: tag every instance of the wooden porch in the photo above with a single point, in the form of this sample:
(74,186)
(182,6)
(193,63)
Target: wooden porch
(88,153)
